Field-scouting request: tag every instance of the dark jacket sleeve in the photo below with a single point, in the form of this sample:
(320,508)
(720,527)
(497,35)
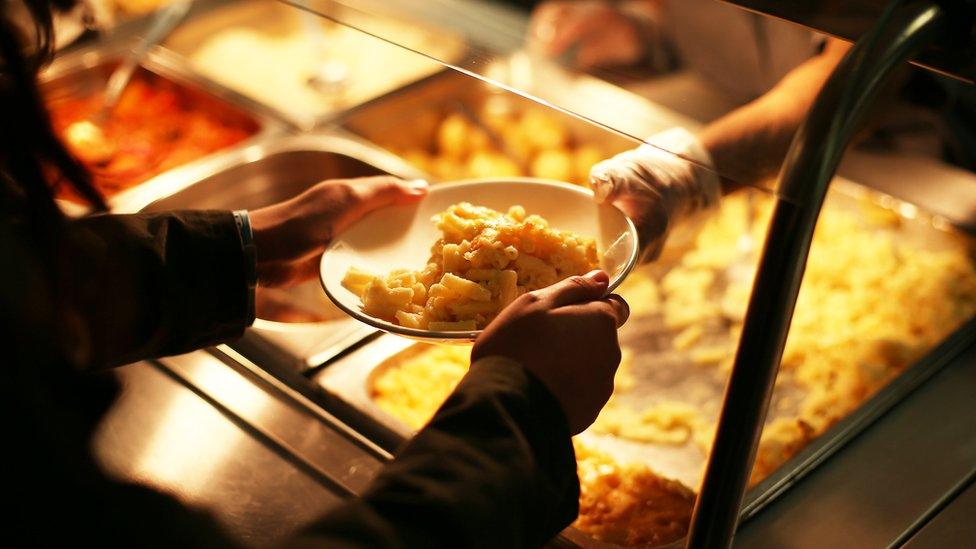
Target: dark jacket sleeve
(148,285)
(494,468)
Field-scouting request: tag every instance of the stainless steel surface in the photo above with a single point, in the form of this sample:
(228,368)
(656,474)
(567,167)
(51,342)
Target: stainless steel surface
(810,166)
(162,23)
(952,53)
(953,525)
(886,478)
(217,439)
(351,379)
(270,171)
(278,20)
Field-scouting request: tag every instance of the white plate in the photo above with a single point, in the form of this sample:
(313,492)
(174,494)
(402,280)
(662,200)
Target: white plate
(401,237)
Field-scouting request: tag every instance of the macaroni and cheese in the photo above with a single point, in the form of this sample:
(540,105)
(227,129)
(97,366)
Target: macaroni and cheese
(482,262)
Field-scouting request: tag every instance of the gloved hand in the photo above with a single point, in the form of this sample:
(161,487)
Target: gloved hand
(666,196)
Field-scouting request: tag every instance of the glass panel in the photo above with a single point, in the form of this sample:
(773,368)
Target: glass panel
(670,63)
(493,35)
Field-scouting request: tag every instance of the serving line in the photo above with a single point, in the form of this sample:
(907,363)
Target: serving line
(270,353)
(353,377)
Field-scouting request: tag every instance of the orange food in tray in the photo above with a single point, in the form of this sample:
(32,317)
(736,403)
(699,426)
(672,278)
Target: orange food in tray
(156,125)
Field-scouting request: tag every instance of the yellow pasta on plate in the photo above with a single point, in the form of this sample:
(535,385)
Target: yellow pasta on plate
(483,261)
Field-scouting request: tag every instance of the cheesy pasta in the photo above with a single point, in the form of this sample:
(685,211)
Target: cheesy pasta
(482,262)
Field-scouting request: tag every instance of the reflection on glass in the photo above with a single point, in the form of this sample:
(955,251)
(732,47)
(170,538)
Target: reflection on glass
(682,86)
(304,65)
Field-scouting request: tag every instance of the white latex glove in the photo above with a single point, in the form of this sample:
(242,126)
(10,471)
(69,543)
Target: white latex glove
(667,197)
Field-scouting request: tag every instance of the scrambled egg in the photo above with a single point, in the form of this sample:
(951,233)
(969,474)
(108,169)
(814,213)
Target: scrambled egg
(483,261)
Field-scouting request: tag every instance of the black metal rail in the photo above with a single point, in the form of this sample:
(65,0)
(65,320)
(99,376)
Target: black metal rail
(903,29)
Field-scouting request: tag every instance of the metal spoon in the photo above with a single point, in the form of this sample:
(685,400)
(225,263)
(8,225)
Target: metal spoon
(88,135)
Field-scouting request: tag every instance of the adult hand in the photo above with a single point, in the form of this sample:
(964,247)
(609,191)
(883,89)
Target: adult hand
(289,237)
(566,336)
(659,190)
(594,32)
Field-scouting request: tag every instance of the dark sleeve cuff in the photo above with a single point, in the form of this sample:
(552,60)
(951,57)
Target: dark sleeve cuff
(149,285)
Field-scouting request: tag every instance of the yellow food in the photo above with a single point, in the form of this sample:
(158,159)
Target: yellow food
(483,261)
(554,164)
(661,423)
(627,504)
(139,7)
(780,441)
(870,305)
(414,385)
(535,144)
(487,163)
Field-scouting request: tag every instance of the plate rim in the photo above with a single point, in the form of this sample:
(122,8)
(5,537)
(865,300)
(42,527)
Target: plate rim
(471,335)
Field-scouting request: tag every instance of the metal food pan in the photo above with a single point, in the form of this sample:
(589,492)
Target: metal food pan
(85,69)
(408,118)
(351,378)
(277,23)
(267,172)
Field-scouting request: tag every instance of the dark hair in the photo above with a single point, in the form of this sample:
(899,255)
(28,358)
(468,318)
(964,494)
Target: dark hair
(28,143)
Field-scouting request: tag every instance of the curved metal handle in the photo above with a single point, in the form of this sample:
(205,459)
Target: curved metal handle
(810,165)
(163,23)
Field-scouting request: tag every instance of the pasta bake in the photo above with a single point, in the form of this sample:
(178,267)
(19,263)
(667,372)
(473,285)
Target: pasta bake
(483,261)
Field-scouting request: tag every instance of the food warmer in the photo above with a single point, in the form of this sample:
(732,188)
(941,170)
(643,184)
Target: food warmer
(291,418)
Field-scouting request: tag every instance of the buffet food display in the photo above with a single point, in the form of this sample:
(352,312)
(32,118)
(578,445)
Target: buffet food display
(305,66)
(503,141)
(850,336)
(482,262)
(883,286)
(156,125)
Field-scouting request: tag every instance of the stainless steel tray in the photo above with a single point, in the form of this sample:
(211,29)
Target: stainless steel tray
(351,379)
(76,70)
(266,172)
(280,21)
(408,117)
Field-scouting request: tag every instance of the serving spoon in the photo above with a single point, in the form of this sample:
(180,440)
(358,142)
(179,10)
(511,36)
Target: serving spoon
(89,135)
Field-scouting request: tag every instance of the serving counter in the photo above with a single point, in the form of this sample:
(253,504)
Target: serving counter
(272,430)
